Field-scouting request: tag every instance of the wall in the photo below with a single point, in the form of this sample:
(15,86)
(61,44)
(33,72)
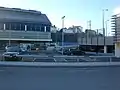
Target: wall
(68,37)
(93,41)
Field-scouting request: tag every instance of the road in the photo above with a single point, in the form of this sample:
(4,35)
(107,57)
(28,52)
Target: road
(31,78)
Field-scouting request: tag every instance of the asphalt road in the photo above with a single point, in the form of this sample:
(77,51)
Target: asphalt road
(26,78)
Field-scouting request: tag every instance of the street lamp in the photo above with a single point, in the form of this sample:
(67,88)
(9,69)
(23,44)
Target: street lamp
(103,21)
(106,23)
(62,32)
(97,37)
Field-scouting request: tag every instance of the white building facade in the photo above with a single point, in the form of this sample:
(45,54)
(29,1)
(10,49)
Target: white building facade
(116,28)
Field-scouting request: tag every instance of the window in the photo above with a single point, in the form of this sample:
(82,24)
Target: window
(42,29)
(48,29)
(1,26)
(8,26)
(12,26)
(22,27)
(32,27)
(28,27)
(37,28)
(17,26)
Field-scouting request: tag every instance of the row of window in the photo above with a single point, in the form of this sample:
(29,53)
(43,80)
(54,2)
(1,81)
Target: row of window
(23,27)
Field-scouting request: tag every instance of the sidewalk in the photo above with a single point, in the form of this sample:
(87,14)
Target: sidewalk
(51,64)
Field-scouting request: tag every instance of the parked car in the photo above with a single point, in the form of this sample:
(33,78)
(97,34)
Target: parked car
(73,52)
(51,47)
(77,52)
(9,46)
(67,52)
(12,52)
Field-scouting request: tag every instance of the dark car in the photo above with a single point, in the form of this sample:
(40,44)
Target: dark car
(77,52)
(73,52)
(67,52)
(12,52)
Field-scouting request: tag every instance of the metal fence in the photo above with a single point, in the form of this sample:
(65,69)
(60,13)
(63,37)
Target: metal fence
(38,58)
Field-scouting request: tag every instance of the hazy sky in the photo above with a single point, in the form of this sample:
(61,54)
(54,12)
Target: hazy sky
(77,12)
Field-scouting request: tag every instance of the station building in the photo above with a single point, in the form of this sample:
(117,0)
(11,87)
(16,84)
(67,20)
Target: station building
(23,26)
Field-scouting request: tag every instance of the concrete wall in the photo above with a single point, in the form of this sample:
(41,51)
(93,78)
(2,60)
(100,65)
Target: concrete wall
(93,41)
(68,37)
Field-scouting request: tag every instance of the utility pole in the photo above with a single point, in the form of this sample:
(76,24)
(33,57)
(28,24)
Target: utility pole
(63,33)
(106,23)
(103,22)
(97,42)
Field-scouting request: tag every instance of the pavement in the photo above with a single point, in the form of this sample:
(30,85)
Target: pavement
(35,78)
(59,64)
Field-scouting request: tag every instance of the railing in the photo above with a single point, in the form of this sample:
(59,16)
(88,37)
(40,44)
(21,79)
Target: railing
(64,59)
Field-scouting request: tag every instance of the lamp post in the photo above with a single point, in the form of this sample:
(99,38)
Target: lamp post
(106,23)
(62,33)
(103,21)
(97,41)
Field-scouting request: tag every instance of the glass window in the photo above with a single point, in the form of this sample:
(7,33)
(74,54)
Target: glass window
(48,29)
(28,27)
(1,26)
(32,27)
(8,26)
(42,29)
(22,27)
(37,28)
(17,26)
(12,26)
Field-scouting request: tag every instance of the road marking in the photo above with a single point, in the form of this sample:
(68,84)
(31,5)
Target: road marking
(34,59)
(55,60)
(65,60)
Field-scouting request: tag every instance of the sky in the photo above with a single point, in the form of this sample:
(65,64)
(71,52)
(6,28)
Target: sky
(76,12)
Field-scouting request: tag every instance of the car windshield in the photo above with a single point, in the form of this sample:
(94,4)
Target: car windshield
(13,49)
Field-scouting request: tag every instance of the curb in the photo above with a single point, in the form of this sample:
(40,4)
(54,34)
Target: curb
(72,65)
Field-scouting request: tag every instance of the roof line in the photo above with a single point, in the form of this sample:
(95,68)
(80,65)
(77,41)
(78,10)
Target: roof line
(20,10)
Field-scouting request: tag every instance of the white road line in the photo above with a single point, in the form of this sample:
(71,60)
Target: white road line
(55,60)
(65,60)
(34,59)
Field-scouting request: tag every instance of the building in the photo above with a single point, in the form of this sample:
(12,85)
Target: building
(73,29)
(90,33)
(54,29)
(116,30)
(21,26)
